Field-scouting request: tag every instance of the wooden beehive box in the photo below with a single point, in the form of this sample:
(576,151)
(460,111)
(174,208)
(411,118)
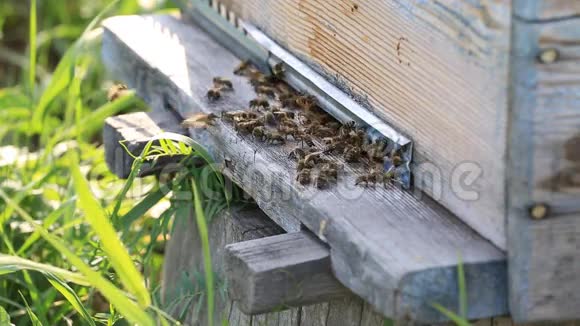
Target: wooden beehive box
(489,92)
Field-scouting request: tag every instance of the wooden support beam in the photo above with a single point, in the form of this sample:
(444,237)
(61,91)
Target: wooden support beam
(544,162)
(134,130)
(283,271)
(397,250)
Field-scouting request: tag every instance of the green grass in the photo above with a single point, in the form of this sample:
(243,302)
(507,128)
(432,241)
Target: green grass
(78,242)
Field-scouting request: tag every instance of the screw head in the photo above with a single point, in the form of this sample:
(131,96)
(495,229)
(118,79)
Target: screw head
(547,56)
(539,211)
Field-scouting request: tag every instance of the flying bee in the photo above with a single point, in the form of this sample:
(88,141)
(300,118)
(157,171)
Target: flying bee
(214,93)
(266,90)
(242,67)
(224,83)
(200,120)
(259,102)
(274,137)
(259,132)
(304,176)
(116,91)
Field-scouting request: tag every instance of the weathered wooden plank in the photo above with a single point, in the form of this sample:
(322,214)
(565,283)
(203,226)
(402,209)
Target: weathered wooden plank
(544,167)
(397,250)
(134,130)
(546,10)
(281,271)
(436,70)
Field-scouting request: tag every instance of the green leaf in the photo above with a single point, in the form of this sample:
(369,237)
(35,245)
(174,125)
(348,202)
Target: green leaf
(462,285)
(71,297)
(32,48)
(129,309)
(4,317)
(118,255)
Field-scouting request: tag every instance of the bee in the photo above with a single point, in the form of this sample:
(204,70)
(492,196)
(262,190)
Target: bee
(274,137)
(305,102)
(321,131)
(287,115)
(278,71)
(303,164)
(330,169)
(200,120)
(367,179)
(259,102)
(266,90)
(352,154)
(314,157)
(304,176)
(324,179)
(290,131)
(288,99)
(242,67)
(259,132)
(214,93)
(238,115)
(116,91)
(297,153)
(283,89)
(224,83)
(247,126)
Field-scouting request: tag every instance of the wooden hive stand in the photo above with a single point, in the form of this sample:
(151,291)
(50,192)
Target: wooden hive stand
(489,92)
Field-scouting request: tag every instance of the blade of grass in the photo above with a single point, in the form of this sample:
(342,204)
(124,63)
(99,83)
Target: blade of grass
(71,297)
(141,208)
(33,318)
(110,242)
(203,234)
(129,309)
(32,51)
(10,264)
(458,320)
(461,284)
(4,317)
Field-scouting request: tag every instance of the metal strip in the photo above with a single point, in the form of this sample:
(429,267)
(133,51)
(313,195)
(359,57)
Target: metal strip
(265,53)
(330,92)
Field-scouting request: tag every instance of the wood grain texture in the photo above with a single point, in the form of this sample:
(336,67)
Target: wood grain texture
(281,271)
(544,168)
(436,70)
(397,250)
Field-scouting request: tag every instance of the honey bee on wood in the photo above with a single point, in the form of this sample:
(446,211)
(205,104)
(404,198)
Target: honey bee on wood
(200,120)
(285,115)
(297,153)
(278,71)
(266,90)
(303,164)
(238,115)
(242,68)
(224,83)
(352,154)
(283,89)
(116,91)
(314,157)
(325,179)
(290,131)
(214,93)
(288,99)
(259,102)
(247,126)
(367,180)
(259,133)
(304,176)
(306,102)
(274,137)
(330,169)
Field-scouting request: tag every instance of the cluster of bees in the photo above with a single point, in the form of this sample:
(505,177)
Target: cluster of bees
(279,114)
